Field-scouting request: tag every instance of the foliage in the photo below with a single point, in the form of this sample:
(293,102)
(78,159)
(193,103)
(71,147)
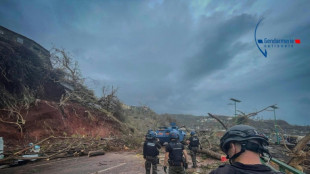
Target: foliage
(21,77)
(67,72)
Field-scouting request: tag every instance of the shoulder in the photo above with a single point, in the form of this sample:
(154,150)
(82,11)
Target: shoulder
(168,147)
(223,169)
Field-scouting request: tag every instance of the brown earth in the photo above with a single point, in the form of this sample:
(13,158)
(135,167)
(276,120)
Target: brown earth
(46,118)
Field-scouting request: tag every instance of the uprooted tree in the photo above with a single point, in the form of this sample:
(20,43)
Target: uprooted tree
(26,77)
(68,74)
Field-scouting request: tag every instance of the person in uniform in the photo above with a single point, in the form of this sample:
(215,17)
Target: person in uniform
(150,152)
(244,146)
(174,155)
(193,147)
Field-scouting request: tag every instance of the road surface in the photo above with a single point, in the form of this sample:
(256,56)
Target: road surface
(114,162)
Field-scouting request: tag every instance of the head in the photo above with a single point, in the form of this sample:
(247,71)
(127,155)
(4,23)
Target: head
(151,135)
(193,133)
(243,138)
(174,135)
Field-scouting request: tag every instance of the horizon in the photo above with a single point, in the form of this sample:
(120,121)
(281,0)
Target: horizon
(186,57)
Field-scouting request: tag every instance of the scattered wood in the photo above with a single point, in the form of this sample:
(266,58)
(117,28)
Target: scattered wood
(61,147)
(299,155)
(96,153)
(211,153)
(30,147)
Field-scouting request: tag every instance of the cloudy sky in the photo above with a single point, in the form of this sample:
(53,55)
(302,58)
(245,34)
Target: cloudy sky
(181,56)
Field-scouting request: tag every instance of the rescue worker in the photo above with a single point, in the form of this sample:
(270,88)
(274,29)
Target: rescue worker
(193,147)
(174,155)
(244,146)
(150,152)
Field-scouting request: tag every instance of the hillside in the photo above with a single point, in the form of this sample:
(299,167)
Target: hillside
(43,94)
(208,123)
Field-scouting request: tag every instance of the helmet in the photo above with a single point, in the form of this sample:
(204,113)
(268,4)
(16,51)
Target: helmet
(151,135)
(241,133)
(174,134)
(193,133)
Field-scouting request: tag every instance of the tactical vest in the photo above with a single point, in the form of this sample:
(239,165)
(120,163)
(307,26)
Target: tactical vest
(194,141)
(176,154)
(151,149)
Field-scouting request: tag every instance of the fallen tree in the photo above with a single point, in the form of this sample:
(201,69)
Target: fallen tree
(60,147)
(211,153)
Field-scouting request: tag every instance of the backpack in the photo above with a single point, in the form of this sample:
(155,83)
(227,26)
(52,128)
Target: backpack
(151,149)
(194,141)
(176,154)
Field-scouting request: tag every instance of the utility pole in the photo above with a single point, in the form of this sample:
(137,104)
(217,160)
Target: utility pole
(235,101)
(274,107)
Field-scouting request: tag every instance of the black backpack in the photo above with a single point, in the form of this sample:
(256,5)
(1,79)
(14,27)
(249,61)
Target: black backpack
(194,141)
(151,149)
(176,154)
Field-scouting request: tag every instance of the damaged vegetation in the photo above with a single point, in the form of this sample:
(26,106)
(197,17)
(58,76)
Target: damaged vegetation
(45,96)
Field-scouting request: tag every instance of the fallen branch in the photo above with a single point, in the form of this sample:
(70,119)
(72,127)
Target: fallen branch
(255,113)
(213,116)
(96,153)
(19,152)
(16,123)
(211,153)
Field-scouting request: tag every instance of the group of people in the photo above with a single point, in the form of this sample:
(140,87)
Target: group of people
(242,144)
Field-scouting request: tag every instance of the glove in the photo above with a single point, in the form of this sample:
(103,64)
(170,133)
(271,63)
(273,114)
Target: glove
(165,169)
(185,165)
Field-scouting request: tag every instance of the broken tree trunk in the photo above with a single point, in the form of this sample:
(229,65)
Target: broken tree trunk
(95,153)
(213,116)
(299,155)
(211,153)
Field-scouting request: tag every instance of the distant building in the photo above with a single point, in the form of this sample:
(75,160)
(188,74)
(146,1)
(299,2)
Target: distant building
(26,42)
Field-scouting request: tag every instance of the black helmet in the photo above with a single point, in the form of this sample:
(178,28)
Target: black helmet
(241,133)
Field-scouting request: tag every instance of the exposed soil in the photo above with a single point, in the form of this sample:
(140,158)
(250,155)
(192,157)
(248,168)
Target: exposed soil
(47,118)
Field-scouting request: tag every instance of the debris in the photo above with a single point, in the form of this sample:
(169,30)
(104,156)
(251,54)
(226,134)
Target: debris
(211,153)
(95,153)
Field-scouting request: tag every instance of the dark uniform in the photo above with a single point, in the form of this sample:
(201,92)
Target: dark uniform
(250,140)
(193,147)
(175,161)
(239,168)
(150,153)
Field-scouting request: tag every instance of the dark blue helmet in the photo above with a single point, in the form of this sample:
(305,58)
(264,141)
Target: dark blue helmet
(193,133)
(151,135)
(174,134)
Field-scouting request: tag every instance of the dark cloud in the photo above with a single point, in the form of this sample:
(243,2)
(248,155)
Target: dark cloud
(179,56)
(221,44)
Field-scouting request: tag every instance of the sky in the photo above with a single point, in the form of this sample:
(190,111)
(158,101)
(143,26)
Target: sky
(180,56)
